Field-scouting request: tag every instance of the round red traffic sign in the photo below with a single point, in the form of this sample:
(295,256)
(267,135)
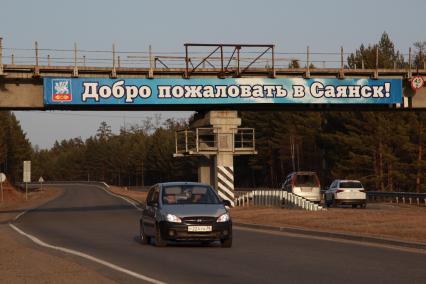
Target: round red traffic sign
(417,82)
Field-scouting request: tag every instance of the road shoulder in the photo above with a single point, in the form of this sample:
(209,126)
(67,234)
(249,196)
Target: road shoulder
(21,261)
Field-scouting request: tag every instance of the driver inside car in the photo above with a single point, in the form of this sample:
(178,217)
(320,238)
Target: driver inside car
(196,198)
(169,199)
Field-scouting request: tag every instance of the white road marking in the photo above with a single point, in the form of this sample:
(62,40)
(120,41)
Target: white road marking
(89,257)
(122,197)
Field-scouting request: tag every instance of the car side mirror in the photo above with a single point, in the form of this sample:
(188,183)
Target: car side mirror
(227,203)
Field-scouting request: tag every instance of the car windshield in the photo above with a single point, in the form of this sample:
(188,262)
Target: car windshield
(189,194)
(305,180)
(350,184)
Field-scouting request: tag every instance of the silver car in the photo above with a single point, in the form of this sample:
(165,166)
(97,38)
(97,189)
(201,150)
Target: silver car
(185,211)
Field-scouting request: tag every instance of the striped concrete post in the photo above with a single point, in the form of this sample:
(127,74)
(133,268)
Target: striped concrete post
(225,183)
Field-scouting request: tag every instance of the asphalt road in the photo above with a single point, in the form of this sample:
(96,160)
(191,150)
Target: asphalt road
(87,219)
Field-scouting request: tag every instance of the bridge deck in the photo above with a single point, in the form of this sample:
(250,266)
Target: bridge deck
(21,86)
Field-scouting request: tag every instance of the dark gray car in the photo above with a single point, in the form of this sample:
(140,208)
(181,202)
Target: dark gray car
(185,211)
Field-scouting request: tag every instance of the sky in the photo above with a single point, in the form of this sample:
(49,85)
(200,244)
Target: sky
(166,25)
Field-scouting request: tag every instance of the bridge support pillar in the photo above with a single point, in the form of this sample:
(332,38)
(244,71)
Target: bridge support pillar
(221,167)
(225,124)
(206,173)
(216,138)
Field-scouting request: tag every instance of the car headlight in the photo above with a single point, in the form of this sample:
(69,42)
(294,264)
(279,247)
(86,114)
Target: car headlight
(173,218)
(223,218)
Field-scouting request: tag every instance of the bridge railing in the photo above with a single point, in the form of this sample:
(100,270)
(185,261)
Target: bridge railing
(205,140)
(232,58)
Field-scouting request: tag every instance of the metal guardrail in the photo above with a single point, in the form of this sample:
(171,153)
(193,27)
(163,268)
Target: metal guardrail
(396,194)
(413,198)
(369,193)
(33,186)
(398,197)
(275,198)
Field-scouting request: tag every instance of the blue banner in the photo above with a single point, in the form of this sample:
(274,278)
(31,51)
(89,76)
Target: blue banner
(213,91)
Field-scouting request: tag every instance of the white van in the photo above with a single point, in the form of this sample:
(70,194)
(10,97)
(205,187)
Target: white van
(304,184)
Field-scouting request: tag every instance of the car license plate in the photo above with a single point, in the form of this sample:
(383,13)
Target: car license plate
(199,228)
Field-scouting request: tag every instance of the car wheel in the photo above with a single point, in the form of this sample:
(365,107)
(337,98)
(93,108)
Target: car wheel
(333,202)
(327,203)
(144,238)
(354,205)
(159,241)
(226,243)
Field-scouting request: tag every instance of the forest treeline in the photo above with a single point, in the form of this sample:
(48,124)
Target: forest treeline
(14,146)
(384,149)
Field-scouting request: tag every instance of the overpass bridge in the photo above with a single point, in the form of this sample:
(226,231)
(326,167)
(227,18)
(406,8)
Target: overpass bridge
(21,77)
(222,79)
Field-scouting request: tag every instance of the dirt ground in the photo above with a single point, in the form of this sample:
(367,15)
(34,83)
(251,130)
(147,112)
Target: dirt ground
(137,195)
(14,201)
(20,261)
(403,222)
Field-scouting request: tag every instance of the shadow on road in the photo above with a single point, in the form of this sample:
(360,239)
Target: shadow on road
(180,244)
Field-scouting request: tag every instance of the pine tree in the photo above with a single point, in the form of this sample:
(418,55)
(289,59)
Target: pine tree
(420,55)
(388,57)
